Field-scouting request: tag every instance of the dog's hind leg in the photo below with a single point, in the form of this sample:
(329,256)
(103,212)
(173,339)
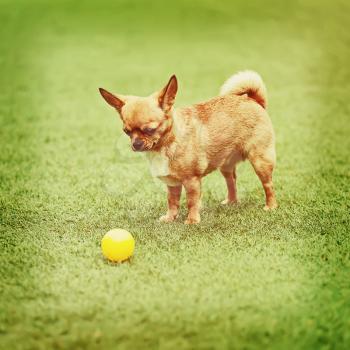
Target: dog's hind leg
(230,178)
(263,164)
(228,170)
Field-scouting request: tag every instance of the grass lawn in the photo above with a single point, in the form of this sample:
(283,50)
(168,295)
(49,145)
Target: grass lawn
(243,278)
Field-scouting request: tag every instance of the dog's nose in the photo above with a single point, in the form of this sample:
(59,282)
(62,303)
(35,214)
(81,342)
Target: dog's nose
(137,144)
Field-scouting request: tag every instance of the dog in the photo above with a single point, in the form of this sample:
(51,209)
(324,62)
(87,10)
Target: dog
(185,144)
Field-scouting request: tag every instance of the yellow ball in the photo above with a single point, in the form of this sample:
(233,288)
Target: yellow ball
(117,245)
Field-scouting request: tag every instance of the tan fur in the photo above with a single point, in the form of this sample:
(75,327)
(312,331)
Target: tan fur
(191,142)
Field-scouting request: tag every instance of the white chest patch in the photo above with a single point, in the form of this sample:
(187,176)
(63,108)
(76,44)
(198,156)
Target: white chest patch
(159,164)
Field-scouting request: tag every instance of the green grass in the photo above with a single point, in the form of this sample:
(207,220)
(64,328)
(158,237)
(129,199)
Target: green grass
(243,278)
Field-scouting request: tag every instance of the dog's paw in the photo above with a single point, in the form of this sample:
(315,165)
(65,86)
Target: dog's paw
(167,218)
(270,206)
(192,220)
(229,202)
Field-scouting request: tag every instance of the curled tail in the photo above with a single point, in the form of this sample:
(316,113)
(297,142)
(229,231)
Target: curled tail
(246,82)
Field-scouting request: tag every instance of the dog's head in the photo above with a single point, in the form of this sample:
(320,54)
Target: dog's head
(145,119)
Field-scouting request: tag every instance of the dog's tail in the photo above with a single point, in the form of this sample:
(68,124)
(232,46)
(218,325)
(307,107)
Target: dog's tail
(246,82)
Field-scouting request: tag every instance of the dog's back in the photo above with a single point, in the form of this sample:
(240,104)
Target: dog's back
(229,125)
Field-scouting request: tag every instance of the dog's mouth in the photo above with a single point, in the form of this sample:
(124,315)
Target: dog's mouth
(145,147)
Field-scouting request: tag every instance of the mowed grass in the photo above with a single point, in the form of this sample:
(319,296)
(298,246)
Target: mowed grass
(243,278)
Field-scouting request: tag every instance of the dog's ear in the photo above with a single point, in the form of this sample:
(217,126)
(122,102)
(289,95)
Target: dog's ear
(114,101)
(166,97)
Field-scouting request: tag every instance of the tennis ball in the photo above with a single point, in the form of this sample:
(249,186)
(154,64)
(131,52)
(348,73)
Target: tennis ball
(117,245)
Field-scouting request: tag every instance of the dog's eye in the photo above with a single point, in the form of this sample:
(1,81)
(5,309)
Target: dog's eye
(128,132)
(149,131)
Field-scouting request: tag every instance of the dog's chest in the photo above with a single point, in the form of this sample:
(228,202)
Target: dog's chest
(159,164)
(159,167)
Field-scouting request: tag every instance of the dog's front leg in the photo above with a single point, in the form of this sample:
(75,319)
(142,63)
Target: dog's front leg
(174,195)
(193,193)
